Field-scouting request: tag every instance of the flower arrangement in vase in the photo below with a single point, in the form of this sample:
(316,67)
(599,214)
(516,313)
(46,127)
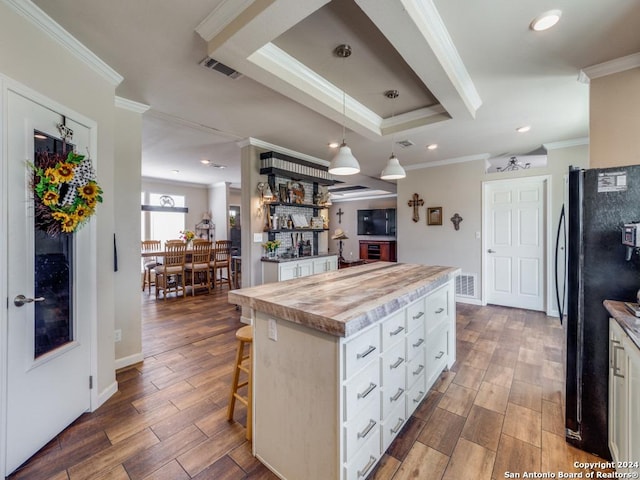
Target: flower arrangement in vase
(187,235)
(271,246)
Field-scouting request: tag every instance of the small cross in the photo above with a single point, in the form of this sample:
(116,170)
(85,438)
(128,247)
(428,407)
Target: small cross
(456,219)
(340,213)
(416,202)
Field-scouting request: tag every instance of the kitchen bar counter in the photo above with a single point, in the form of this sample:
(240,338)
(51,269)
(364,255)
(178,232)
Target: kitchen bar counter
(294,259)
(629,323)
(343,302)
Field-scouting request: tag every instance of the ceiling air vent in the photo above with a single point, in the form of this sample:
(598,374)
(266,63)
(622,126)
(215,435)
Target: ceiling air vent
(213,64)
(405,143)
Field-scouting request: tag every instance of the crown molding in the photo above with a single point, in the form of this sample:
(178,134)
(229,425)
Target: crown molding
(255,142)
(46,24)
(221,16)
(131,105)
(608,68)
(574,142)
(450,161)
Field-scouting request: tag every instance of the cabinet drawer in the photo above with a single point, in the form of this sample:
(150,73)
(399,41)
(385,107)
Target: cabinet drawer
(364,460)
(415,395)
(393,378)
(415,314)
(360,351)
(416,368)
(415,342)
(364,426)
(361,390)
(437,308)
(393,329)
(392,425)
(437,351)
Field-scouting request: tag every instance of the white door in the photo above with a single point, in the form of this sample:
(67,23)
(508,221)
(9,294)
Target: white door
(515,243)
(48,354)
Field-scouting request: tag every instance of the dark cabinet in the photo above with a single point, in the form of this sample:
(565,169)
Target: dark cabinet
(383,250)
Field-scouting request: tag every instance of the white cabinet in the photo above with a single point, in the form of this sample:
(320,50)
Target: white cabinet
(624,400)
(327,406)
(280,271)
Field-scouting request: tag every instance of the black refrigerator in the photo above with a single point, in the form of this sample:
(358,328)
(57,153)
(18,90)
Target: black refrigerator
(601,201)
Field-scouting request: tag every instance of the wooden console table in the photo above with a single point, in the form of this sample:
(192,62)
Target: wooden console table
(384,250)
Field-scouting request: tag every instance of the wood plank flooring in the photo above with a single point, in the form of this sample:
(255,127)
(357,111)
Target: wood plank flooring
(500,409)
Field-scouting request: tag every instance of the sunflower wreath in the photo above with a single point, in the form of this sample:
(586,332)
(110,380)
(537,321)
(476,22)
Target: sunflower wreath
(65,192)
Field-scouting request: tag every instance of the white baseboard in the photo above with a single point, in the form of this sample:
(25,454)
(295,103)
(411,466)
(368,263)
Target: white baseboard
(104,395)
(470,301)
(130,360)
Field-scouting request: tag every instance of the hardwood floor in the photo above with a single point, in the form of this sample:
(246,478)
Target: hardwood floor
(500,409)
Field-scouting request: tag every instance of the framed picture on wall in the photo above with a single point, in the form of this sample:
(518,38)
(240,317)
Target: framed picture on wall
(434,215)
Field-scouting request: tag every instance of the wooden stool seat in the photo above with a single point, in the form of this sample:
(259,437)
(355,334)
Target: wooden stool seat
(243,363)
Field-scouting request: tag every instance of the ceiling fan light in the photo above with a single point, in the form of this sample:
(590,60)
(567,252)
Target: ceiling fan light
(344,163)
(393,170)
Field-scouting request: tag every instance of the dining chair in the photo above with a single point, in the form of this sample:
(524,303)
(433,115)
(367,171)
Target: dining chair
(149,263)
(198,266)
(170,274)
(222,261)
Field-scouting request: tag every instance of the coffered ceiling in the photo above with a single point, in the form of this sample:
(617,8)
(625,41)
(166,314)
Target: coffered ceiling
(468,73)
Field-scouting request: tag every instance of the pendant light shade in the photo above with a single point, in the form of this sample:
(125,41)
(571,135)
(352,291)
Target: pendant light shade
(393,170)
(344,163)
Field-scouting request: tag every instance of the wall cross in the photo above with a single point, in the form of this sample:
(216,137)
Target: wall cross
(340,213)
(416,202)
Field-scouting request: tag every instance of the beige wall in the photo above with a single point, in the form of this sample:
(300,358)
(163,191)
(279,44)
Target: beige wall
(349,224)
(29,56)
(128,160)
(615,119)
(457,188)
(219,208)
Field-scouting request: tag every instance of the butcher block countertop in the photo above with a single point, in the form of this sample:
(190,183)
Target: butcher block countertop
(629,323)
(343,302)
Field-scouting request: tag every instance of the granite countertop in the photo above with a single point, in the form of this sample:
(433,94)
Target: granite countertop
(629,322)
(294,259)
(343,302)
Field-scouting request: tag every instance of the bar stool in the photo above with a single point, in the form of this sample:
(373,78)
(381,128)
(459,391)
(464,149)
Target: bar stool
(244,336)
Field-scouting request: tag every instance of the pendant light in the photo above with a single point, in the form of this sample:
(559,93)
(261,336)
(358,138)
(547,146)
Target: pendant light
(344,163)
(393,170)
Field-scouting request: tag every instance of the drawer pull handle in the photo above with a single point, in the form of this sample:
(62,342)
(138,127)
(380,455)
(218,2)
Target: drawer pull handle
(367,467)
(418,343)
(418,398)
(395,429)
(415,317)
(396,331)
(440,310)
(616,368)
(419,370)
(365,432)
(397,364)
(369,389)
(439,356)
(397,395)
(367,352)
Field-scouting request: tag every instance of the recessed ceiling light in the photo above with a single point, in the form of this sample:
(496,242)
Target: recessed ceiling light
(433,146)
(175,171)
(545,20)
(523,129)
(334,145)
(205,162)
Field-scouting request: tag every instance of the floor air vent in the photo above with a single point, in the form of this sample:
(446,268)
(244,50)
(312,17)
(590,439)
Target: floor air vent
(466,285)
(213,64)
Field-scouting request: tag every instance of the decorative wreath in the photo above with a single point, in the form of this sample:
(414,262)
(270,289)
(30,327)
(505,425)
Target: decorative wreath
(66,192)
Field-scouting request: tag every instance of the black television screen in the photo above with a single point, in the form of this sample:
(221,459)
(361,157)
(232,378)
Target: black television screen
(381,221)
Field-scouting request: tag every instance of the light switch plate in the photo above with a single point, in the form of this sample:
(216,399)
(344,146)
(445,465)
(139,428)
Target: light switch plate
(257,238)
(272,330)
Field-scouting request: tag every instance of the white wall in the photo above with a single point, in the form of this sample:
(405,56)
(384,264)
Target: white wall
(29,56)
(128,160)
(457,188)
(219,207)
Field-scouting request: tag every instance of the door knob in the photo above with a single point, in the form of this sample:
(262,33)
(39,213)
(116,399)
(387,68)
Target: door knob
(491,251)
(20,300)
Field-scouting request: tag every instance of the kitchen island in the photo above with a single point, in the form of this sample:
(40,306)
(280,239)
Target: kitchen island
(341,361)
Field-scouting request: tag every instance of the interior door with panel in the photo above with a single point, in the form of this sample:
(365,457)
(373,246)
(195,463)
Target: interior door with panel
(48,331)
(515,245)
